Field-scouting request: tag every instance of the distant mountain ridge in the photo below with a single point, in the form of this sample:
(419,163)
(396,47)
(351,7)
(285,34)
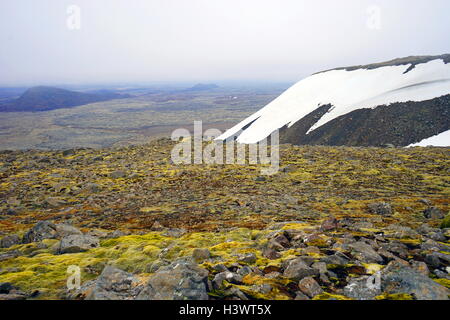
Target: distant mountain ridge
(43,98)
(400,102)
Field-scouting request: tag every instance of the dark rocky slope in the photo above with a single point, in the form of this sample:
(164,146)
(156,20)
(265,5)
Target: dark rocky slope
(399,123)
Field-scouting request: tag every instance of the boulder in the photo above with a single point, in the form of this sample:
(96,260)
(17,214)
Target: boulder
(310,287)
(77,243)
(42,230)
(397,278)
(201,255)
(9,241)
(178,281)
(298,269)
(365,253)
(433,213)
(381,208)
(49,230)
(114,284)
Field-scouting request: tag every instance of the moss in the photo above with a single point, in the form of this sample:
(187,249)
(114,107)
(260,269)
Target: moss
(330,296)
(395,296)
(444,282)
(446,222)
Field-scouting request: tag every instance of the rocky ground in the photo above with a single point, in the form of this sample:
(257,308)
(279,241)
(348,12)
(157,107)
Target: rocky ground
(334,223)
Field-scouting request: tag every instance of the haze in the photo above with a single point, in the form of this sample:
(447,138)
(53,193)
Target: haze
(209,40)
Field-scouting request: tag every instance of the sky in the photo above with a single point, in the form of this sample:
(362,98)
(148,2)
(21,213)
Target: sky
(142,41)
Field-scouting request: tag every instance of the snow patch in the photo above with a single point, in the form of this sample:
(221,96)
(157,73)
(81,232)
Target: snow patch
(346,91)
(439,140)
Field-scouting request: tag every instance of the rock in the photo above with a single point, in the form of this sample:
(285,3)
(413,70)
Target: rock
(381,208)
(433,213)
(310,287)
(397,248)
(363,288)
(231,277)
(9,241)
(365,253)
(245,270)
(270,253)
(114,284)
(157,226)
(260,179)
(398,278)
(42,230)
(64,230)
(201,255)
(77,243)
(68,152)
(249,258)
(174,232)
(92,187)
(297,269)
(279,241)
(301,296)
(437,259)
(5,287)
(116,234)
(178,281)
(420,267)
(329,224)
(338,259)
(9,255)
(118,174)
(220,267)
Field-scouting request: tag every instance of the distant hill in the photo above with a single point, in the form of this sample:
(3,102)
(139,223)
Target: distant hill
(43,98)
(203,87)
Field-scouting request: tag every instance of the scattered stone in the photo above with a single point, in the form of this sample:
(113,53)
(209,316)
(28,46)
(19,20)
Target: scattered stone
(381,208)
(329,224)
(365,253)
(77,243)
(178,281)
(249,258)
(114,284)
(420,267)
(310,287)
(42,230)
(118,174)
(9,241)
(433,213)
(260,179)
(297,269)
(398,278)
(174,232)
(157,226)
(271,254)
(231,277)
(201,255)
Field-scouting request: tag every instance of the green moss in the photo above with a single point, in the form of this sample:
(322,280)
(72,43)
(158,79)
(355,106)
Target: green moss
(330,296)
(446,222)
(395,296)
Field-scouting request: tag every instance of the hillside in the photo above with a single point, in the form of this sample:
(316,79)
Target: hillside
(400,102)
(49,98)
(138,225)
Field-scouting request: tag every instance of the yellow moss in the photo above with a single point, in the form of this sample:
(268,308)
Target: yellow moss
(372,268)
(330,296)
(444,282)
(395,296)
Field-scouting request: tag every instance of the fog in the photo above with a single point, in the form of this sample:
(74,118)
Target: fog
(142,41)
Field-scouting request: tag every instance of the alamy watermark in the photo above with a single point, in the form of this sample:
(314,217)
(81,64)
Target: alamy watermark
(73,21)
(373,21)
(74,279)
(193,150)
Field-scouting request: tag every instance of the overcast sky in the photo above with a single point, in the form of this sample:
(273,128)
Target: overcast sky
(119,41)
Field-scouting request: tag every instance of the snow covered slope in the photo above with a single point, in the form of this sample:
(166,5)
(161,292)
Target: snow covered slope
(347,90)
(439,140)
